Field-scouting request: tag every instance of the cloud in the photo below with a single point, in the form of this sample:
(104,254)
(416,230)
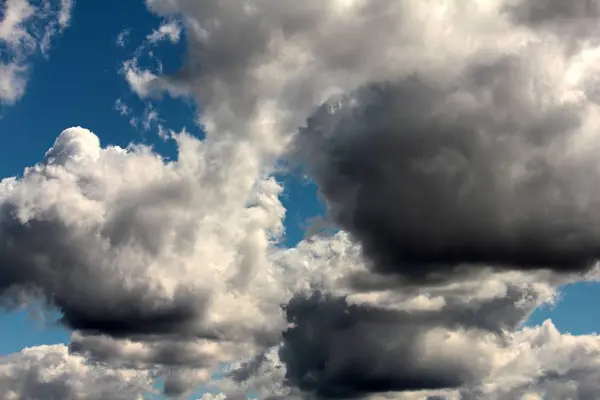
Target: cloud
(543,362)
(332,352)
(169,269)
(129,246)
(457,157)
(147,82)
(50,372)
(338,351)
(140,81)
(555,14)
(170,30)
(429,179)
(59,19)
(460,338)
(498,132)
(25,29)
(346,340)
(64,15)
(487,164)
(123,37)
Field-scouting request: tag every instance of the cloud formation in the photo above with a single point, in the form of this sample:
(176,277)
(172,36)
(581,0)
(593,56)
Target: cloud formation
(488,163)
(454,147)
(430,179)
(50,372)
(129,246)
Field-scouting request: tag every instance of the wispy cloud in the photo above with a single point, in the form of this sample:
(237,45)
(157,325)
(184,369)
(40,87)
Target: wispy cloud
(25,30)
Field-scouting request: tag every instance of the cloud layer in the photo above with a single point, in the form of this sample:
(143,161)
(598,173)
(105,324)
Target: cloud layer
(454,147)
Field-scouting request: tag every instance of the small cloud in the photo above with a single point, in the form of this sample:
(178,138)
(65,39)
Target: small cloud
(121,107)
(150,117)
(64,15)
(59,20)
(13,80)
(20,35)
(168,31)
(140,81)
(123,37)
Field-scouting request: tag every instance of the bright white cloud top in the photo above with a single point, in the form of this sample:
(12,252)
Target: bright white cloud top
(455,147)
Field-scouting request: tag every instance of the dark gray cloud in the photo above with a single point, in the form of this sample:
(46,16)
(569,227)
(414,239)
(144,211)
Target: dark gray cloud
(429,177)
(337,350)
(543,12)
(175,352)
(45,254)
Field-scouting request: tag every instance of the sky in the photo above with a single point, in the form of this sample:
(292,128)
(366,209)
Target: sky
(332,199)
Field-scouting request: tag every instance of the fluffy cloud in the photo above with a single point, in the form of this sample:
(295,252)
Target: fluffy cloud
(431,178)
(50,372)
(453,145)
(384,337)
(25,29)
(129,246)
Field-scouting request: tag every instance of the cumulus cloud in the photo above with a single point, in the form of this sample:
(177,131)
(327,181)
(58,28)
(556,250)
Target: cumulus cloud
(25,29)
(459,145)
(453,145)
(431,178)
(50,372)
(129,246)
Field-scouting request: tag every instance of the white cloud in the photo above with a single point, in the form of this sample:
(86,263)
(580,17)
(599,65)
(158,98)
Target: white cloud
(50,372)
(12,29)
(142,82)
(187,241)
(170,30)
(13,80)
(64,15)
(21,36)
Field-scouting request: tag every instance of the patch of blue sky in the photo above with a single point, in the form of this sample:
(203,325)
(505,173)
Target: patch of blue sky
(19,329)
(576,310)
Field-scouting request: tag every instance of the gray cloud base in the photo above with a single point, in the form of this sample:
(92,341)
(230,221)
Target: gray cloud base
(428,183)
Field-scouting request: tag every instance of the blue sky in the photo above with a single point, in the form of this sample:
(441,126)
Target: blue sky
(79,83)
